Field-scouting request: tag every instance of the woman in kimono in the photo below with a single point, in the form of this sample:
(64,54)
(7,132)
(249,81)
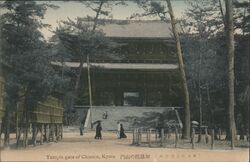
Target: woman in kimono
(122,134)
(98,134)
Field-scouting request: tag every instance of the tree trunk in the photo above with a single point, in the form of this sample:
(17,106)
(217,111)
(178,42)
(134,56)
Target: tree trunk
(97,15)
(200,99)
(78,79)
(7,128)
(230,47)
(183,75)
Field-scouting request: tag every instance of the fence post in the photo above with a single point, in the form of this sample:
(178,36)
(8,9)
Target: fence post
(155,135)
(162,137)
(147,134)
(139,136)
(192,138)
(176,137)
(133,141)
(136,136)
(149,137)
(212,139)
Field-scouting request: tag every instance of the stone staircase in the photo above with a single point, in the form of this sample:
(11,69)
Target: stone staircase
(130,117)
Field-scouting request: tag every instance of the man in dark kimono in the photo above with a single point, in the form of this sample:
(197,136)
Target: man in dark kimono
(98,134)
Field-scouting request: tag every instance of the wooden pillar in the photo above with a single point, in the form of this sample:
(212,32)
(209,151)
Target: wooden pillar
(45,132)
(25,136)
(57,132)
(42,132)
(139,136)
(61,130)
(212,139)
(156,135)
(192,138)
(149,137)
(34,133)
(162,137)
(219,134)
(232,140)
(206,135)
(176,137)
(134,135)
(51,133)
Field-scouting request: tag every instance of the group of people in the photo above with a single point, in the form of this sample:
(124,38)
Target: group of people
(120,131)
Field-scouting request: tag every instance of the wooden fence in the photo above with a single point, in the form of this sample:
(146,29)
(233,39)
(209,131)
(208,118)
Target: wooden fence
(151,137)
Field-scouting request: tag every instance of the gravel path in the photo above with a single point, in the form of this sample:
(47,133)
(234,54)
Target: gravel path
(85,148)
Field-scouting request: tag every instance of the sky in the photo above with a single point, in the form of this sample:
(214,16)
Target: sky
(74,9)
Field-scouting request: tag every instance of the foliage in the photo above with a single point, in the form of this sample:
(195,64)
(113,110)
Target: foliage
(31,76)
(79,38)
(25,50)
(151,8)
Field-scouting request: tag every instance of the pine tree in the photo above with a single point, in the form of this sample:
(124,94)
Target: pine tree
(31,77)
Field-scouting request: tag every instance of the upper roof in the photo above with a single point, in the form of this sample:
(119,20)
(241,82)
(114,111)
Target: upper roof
(137,29)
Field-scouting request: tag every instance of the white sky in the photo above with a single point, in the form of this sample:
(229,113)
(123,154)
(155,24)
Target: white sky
(76,9)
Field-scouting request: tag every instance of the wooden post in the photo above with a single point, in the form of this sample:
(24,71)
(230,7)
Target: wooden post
(232,140)
(41,137)
(61,129)
(34,133)
(162,137)
(136,135)
(57,132)
(156,135)
(26,137)
(149,137)
(219,134)
(46,132)
(24,132)
(53,132)
(192,138)
(50,133)
(90,91)
(139,136)
(206,136)
(133,142)
(212,139)
(176,137)
(16,123)
(18,137)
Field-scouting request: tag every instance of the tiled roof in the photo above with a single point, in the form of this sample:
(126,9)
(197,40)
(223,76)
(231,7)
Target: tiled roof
(137,29)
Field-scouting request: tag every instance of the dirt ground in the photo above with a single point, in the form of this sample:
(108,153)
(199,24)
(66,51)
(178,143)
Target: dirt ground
(76,148)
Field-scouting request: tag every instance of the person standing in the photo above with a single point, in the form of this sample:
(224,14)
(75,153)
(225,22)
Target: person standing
(98,134)
(122,133)
(118,129)
(82,127)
